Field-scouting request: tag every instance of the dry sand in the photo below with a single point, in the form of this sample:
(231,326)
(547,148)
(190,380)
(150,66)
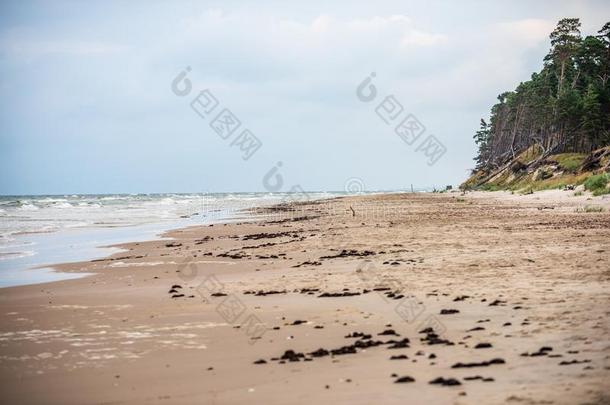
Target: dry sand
(529,276)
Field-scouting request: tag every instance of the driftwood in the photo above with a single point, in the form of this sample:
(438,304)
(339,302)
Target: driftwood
(593,161)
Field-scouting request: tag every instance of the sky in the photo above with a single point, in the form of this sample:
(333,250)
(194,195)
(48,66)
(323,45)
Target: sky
(91,101)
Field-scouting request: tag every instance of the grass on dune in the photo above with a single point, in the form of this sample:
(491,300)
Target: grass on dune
(598,184)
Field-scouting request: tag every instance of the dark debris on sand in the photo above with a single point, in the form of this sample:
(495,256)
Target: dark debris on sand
(478,377)
(543,351)
(479,364)
(404,379)
(445,381)
(349,253)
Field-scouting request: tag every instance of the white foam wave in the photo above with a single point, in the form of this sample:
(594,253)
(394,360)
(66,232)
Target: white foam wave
(28,207)
(16,255)
(77,224)
(52,200)
(12,244)
(24,215)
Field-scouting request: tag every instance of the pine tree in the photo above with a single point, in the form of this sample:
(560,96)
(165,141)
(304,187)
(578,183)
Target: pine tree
(592,120)
(565,40)
(481,138)
(563,108)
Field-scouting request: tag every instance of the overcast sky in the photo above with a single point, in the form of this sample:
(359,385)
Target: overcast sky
(87,103)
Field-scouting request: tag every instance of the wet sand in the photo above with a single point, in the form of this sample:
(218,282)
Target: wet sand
(402,298)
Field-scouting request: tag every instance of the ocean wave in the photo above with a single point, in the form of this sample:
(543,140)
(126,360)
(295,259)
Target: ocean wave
(16,255)
(28,207)
(89,205)
(38,214)
(167,201)
(52,200)
(13,243)
(77,224)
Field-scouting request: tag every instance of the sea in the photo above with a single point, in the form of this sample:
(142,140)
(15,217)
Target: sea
(37,232)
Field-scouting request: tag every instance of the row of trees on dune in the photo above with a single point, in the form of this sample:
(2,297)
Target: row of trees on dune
(563,108)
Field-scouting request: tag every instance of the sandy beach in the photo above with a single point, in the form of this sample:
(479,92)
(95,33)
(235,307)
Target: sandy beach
(391,298)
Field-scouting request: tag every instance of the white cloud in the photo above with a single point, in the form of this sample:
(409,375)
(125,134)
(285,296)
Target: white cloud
(528,32)
(322,32)
(419,38)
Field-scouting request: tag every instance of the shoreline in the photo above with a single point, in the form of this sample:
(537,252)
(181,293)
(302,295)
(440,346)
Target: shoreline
(149,218)
(87,244)
(248,215)
(73,246)
(302,283)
